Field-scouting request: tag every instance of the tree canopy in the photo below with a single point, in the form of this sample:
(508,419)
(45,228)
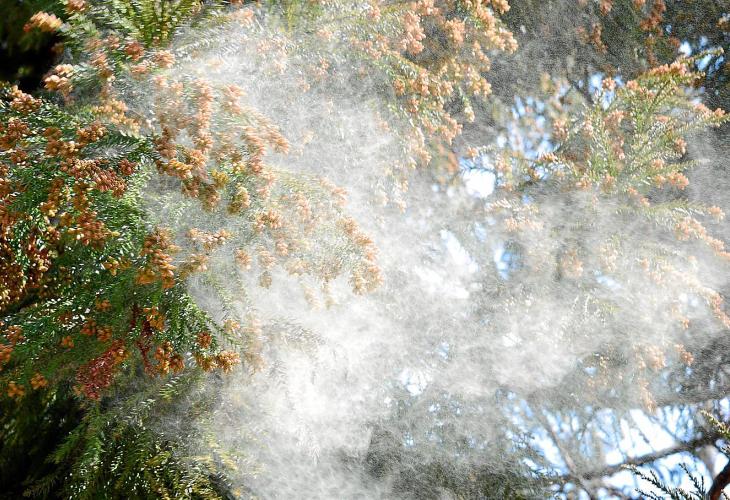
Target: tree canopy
(364,249)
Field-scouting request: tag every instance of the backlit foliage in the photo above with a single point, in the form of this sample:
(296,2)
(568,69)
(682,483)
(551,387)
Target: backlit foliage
(94,286)
(135,182)
(617,176)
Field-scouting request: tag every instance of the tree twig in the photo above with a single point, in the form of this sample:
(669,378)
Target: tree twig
(693,444)
(721,480)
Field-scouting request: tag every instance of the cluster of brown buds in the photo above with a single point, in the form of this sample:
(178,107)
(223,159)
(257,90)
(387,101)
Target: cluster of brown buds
(168,360)
(224,360)
(157,249)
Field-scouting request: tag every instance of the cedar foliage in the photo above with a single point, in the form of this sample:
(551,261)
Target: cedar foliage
(94,302)
(103,340)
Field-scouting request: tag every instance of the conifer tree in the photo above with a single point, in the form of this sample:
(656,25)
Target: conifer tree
(144,196)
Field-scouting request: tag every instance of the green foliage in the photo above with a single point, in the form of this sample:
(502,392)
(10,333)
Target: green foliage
(416,475)
(55,446)
(152,22)
(82,270)
(90,305)
(699,492)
